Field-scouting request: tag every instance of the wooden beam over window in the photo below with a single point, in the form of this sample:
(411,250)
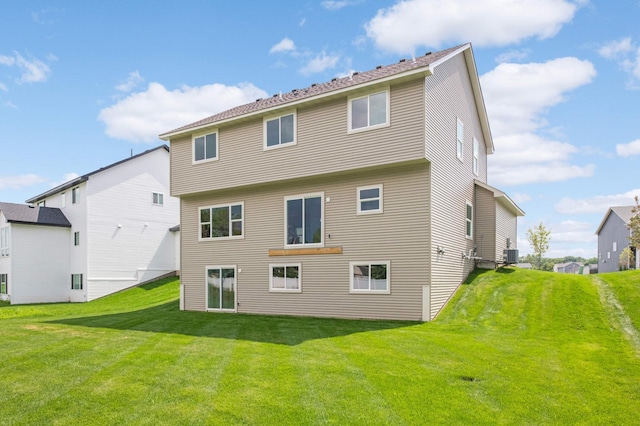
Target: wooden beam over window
(305,251)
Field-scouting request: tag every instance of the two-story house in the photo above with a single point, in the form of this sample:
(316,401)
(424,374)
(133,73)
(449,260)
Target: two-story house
(94,235)
(361,197)
(613,237)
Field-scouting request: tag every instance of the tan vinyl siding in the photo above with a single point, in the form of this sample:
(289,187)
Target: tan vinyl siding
(323,145)
(485,207)
(399,235)
(449,96)
(506,223)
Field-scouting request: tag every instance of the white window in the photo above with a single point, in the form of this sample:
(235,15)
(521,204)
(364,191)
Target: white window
(205,147)
(76,281)
(280,131)
(221,288)
(222,221)
(42,203)
(368,112)
(370,277)
(469,230)
(63,200)
(304,220)
(75,195)
(285,278)
(76,238)
(615,246)
(5,240)
(608,255)
(369,199)
(158,198)
(3,284)
(476,155)
(460,139)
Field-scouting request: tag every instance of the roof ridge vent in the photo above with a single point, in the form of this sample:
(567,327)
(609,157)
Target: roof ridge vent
(334,79)
(428,53)
(378,67)
(402,60)
(257,100)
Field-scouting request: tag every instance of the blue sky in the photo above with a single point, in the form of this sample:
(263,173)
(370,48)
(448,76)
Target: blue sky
(83,84)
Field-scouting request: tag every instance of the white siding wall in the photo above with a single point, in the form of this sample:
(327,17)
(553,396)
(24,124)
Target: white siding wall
(128,236)
(448,97)
(5,262)
(506,228)
(40,264)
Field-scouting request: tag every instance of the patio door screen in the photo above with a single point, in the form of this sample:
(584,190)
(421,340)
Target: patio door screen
(221,288)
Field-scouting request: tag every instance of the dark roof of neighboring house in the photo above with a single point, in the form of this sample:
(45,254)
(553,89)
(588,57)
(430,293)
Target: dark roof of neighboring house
(418,64)
(623,212)
(34,215)
(85,177)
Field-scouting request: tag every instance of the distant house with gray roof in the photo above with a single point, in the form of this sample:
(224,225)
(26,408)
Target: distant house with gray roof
(613,237)
(91,236)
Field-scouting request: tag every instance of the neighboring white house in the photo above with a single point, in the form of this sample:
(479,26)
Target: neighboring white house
(121,231)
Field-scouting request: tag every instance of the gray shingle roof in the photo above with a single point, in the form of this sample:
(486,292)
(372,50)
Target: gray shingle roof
(34,215)
(335,84)
(624,212)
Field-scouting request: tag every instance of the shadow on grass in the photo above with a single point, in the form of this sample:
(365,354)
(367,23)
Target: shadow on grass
(167,318)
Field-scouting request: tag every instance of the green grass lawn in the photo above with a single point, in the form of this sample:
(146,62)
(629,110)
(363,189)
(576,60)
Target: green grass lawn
(513,347)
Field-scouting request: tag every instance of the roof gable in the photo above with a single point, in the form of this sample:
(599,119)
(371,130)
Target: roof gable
(85,177)
(405,68)
(34,215)
(623,212)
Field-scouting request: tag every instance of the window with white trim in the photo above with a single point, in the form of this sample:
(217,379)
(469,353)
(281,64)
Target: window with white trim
(370,277)
(222,221)
(76,238)
(369,199)
(476,155)
(76,281)
(221,288)
(280,131)
(75,195)
(370,111)
(42,203)
(459,139)
(304,220)
(615,246)
(5,240)
(469,220)
(285,277)
(205,147)
(4,288)
(158,198)
(63,200)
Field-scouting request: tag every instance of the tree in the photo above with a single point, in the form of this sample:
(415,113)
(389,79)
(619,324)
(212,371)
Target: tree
(538,238)
(627,259)
(634,225)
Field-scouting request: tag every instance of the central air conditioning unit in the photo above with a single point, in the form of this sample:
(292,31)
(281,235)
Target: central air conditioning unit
(510,256)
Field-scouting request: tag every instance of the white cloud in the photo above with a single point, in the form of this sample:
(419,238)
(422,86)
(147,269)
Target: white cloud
(320,63)
(142,116)
(132,81)
(21,181)
(628,150)
(302,22)
(595,205)
(518,97)
(10,104)
(3,87)
(32,71)
(410,24)
(513,55)
(285,45)
(337,5)
(615,49)
(627,54)
(520,198)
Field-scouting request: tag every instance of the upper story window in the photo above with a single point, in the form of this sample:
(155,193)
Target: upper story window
(63,200)
(469,220)
(369,199)
(615,246)
(476,155)
(304,220)
(76,238)
(75,195)
(368,112)
(4,241)
(42,203)
(222,221)
(158,198)
(459,139)
(369,277)
(205,147)
(280,131)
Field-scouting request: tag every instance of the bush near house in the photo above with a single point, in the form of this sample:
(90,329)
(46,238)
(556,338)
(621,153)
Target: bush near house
(513,347)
